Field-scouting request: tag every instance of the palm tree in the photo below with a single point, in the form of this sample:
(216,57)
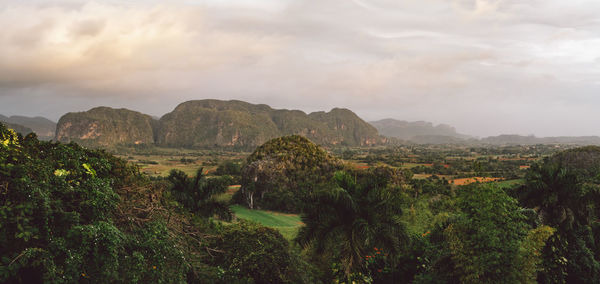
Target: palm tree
(198,193)
(554,191)
(351,219)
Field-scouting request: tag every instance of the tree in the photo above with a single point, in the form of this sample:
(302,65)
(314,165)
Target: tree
(281,172)
(351,219)
(197,194)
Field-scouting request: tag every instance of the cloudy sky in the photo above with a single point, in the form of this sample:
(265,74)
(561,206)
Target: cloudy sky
(484,66)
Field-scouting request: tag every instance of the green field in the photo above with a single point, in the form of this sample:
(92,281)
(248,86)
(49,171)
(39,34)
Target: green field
(286,224)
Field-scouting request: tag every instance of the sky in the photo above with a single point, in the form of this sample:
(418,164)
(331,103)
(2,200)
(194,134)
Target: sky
(486,67)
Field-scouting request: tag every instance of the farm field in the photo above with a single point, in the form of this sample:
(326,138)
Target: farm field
(158,162)
(159,165)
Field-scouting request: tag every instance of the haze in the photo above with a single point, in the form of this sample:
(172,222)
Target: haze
(485,67)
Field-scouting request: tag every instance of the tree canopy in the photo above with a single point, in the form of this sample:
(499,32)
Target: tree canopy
(351,218)
(281,172)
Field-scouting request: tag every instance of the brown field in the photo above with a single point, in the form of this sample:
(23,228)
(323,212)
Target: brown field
(464,181)
(361,167)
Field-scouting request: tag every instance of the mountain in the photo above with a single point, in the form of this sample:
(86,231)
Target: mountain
(210,123)
(43,127)
(408,130)
(216,123)
(206,123)
(347,128)
(104,126)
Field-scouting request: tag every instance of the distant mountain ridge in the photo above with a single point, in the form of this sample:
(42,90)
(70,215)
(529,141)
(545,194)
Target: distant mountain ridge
(417,130)
(43,127)
(215,123)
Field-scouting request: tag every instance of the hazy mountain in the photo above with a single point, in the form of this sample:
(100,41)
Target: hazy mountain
(204,123)
(104,126)
(43,127)
(408,130)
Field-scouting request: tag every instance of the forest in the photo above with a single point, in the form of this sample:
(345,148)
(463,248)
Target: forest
(292,211)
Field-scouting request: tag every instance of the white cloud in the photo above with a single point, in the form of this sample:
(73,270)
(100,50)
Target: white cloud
(438,60)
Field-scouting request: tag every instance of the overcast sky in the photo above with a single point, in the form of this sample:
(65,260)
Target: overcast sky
(486,67)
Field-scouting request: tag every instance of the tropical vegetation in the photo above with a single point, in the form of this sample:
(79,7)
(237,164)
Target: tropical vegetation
(382,215)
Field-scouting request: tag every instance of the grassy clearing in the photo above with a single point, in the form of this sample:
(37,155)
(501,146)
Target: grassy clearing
(286,224)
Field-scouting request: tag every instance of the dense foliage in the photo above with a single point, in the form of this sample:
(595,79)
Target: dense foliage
(488,237)
(69,214)
(350,219)
(57,205)
(566,190)
(197,194)
(258,253)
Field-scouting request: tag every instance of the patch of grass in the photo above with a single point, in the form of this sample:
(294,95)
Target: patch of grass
(286,224)
(412,165)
